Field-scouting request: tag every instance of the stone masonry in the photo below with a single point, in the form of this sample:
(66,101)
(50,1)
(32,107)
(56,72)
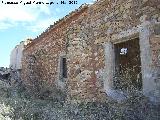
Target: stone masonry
(86,38)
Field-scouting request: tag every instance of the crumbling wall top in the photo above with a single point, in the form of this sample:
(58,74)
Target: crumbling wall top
(58,24)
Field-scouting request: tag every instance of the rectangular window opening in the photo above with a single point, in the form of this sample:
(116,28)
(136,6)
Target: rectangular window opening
(64,68)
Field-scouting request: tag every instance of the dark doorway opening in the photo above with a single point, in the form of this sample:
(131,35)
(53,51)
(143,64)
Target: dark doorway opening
(128,65)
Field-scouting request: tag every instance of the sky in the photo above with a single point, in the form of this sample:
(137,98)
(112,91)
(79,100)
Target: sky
(21,21)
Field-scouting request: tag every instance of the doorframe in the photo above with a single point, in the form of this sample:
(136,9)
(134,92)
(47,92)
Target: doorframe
(110,60)
(143,32)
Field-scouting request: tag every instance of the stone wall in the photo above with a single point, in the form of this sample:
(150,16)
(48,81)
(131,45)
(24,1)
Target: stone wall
(108,21)
(17,54)
(41,57)
(84,38)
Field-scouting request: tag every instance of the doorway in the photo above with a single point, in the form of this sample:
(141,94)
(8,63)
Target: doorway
(127,75)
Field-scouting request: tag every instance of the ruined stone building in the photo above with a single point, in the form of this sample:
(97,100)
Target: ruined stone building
(16,58)
(17,54)
(94,50)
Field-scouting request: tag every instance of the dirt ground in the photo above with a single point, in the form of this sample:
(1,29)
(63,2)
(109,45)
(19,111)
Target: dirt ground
(14,105)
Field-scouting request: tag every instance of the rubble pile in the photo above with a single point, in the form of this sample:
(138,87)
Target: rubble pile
(4,73)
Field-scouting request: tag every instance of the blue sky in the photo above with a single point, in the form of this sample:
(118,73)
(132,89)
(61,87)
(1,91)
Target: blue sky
(19,22)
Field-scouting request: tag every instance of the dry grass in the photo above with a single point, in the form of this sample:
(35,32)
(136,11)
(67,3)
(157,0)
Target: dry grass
(15,106)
